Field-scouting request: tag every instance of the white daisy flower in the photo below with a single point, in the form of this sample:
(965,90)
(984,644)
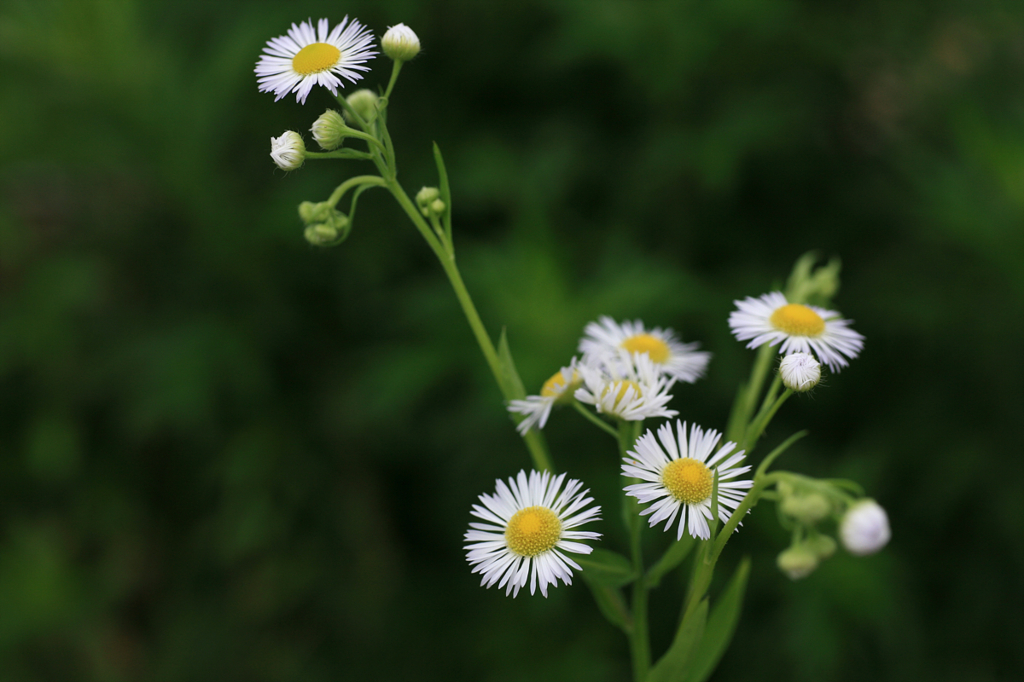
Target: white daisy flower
(679,477)
(681,361)
(537,408)
(626,386)
(865,528)
(800,372)
(528,527)
(800,328)
(303,58)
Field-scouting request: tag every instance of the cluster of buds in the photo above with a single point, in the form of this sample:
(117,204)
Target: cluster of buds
(428,199)
(863,525)
(325,225)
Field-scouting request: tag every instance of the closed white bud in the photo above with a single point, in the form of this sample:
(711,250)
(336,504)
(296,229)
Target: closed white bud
(400,43)
(288,151)
(865,528)
(800,372)
(329,130)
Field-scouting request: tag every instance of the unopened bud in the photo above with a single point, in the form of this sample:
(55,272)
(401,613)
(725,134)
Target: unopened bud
(865,528)
(400,43)
(822,545)
(329,130)
(807,509)
(364,102)
(797,562)
(437,206)
(800,372)
(288,151)
(426,195)
(320,234)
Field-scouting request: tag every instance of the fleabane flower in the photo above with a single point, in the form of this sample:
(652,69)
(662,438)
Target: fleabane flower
(537,408)
(625,385)
(306,57)
(865,528)
(681,361)
(800,372)
(528,527)
(799,328)
(288,151)
(679,478)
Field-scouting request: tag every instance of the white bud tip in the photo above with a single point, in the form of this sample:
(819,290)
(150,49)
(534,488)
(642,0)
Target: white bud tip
(288,151)
(800,372)
(400,42)
(865,528)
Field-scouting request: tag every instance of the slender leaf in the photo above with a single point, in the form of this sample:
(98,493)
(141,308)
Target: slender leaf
(610,603)
(604,567)
(673,556)
(512,385)
(721,625)
(678,660)
(446,192)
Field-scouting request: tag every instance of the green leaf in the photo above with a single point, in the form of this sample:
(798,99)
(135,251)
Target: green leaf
(446,192)
(673,556)
(512,385)
(678,660)
(604,567)
(721,625)
(610,603)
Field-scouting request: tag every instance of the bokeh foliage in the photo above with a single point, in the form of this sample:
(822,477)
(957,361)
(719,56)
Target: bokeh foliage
(226,455)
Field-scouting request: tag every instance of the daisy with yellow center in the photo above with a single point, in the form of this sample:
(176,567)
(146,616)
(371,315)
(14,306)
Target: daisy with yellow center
(528,527)
(679,478)
(799,328)
(556,390)
(625,385)
(305,57)
(681,361)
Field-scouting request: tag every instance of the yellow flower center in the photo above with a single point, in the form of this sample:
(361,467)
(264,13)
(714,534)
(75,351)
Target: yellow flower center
(315,58)
(532,531)
(797,320)
(645,343)
(555,386)
(623,386)
(687,480)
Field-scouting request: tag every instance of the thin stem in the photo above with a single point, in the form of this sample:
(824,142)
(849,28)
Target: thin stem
(761,421)
(340,190)
(533,440)
(639,639)
(394,77)
(594,419)
(747,399)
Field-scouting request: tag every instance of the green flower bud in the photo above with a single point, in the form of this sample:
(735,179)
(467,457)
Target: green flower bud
(427,195)
(329,130)
(320,234)
(437,207)
(364,102)
(822,545)
(400,43)
(807,509)
(797,562)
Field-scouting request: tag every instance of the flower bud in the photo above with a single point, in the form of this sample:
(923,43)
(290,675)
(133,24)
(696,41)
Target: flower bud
(865,528)
(797,562)
(329,130)
(364,102)
(800,372)
(437,206)
(426,195)
(288,151)
(400,43)
(822,545)
(320,234)
(807,509)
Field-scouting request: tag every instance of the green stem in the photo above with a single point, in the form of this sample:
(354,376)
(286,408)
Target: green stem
(761,421)
(394,77)
(533,440)
(639,639)
(340,190)
(747,399)
(594,419)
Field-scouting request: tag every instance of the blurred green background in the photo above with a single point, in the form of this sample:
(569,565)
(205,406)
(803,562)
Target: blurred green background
(226,455)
